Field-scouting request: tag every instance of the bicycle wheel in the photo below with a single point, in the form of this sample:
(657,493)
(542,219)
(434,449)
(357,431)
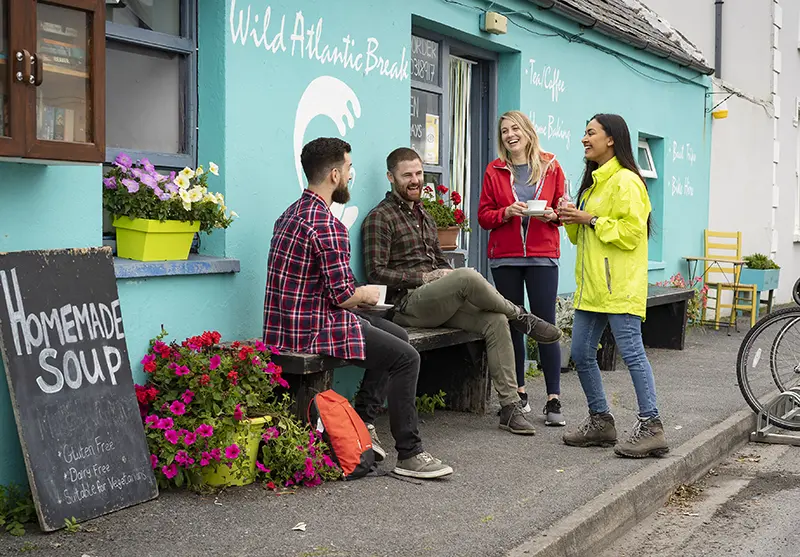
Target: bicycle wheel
(796,292)
(767,360)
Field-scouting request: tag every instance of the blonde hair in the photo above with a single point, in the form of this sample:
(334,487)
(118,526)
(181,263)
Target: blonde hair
(533,152)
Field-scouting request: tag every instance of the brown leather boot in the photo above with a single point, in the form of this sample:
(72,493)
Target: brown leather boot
(597,430)
(647,439)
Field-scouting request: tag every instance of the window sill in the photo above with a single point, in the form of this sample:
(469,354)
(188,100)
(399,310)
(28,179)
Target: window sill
(656,266)
(195,265)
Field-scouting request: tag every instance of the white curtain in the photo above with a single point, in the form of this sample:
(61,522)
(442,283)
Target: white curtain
(460,141)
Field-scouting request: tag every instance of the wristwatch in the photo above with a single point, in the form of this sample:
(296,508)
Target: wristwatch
(593,222)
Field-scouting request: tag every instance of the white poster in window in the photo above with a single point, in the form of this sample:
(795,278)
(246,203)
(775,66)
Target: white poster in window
(431,139)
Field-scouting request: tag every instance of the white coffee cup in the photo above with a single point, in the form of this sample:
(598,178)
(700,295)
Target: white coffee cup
(537,205)
(381,293)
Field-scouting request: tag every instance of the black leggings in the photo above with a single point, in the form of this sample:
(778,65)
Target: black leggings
(542,286)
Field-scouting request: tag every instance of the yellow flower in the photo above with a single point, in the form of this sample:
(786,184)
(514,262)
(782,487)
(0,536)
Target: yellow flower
(213,168)
(187,206)
(187,173)
(184,195)
(181,181)
(199,171)
(195,194)
(210,197)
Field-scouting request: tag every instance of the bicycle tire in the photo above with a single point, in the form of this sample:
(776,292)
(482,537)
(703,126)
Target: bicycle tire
(742,360)
(796,292)
(774,351)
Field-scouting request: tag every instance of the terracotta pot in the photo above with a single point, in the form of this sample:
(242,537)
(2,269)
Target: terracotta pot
(448,237)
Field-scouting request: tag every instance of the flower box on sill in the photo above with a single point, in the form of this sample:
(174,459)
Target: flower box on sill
(153,240)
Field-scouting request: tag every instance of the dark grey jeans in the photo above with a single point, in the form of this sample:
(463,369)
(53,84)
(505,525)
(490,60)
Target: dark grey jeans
(391,368)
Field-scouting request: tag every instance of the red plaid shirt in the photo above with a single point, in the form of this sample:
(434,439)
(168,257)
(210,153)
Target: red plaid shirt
(308,275)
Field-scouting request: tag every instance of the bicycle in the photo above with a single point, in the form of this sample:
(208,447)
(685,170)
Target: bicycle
(764,379)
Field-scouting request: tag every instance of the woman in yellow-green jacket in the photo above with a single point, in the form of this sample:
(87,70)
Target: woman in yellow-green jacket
(610,226)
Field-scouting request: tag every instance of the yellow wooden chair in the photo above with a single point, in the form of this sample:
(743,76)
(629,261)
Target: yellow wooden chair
(720,277)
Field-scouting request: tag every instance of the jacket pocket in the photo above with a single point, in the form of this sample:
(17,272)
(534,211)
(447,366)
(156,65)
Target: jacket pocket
(608,275)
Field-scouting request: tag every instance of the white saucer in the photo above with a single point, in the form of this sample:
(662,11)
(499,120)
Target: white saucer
(376,307)
(542,213)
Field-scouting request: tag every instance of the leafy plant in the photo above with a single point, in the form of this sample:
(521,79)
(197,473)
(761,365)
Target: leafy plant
(444,213)
(565,315)
(16,509)
(427,404)
(696,306)
(71,525)
(760,261)
(137,190)
(532,370)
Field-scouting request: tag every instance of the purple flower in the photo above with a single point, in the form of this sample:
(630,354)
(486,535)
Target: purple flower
(110,183)
(132,185)
(148,181)
(148,166)
(172,188)
(123,161)
(237,413)
(171,176)
(137,172)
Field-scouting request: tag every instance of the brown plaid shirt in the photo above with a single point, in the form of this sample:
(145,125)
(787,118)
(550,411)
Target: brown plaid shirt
(400,245)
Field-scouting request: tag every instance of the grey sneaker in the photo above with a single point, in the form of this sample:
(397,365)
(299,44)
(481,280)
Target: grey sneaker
(380,454)
(647,439)
(538,329)
(597,430)
(552,413)
(524,405)
(513,419)
(422,466)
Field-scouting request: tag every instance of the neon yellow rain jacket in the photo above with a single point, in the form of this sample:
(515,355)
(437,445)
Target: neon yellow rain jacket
(611,268)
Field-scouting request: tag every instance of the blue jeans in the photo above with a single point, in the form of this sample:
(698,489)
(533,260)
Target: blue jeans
(627,330)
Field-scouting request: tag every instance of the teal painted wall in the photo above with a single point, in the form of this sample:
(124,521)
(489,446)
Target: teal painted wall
(263,92)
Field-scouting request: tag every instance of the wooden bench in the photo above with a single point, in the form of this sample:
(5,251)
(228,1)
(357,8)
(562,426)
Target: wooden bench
(665,326)
(452,360)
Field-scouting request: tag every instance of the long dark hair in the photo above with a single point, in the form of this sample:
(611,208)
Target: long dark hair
(616,128)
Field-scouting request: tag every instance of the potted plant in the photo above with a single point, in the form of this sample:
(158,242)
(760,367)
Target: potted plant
(761,271)
(205,407)
(565,316)
(442,205)
(696,306)
(157,216)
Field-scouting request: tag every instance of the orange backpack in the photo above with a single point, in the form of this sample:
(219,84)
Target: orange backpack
(344,432)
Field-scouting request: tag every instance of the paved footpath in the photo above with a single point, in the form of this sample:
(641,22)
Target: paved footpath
(510,495)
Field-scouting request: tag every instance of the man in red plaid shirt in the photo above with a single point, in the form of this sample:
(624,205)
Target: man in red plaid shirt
(402,251)
(311,291)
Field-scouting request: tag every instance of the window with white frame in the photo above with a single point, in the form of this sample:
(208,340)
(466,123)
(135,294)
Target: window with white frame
(644,158)
(151,81)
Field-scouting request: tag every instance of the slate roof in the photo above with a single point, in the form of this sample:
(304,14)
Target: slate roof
(634,23)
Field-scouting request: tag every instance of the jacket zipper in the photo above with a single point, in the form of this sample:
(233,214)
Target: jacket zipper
(583,232)
(608,275)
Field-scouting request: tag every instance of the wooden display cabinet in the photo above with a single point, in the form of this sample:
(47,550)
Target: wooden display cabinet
(52,80)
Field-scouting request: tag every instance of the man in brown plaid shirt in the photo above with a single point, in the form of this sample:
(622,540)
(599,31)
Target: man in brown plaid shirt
(401,250)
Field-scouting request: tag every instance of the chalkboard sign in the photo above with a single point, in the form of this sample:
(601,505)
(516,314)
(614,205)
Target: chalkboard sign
(425,61)
(71,387)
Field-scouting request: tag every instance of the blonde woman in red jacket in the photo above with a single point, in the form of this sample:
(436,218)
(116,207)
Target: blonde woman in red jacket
(524,250)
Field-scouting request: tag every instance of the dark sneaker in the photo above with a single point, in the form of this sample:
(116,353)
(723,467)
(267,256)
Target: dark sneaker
(513,419)
(524,405)
(597,430)
(552,413)
(536,328)
(380,454)
(422,466)
(647,439)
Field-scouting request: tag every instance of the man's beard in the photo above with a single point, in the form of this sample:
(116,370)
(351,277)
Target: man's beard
(341,194)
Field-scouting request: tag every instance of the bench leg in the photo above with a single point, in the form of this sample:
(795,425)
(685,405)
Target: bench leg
(665,326)
(607,355)
(461,372)
(304,387)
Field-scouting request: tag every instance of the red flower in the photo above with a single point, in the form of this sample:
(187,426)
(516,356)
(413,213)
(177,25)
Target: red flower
(459,216)
(205,380)
(234,377)
(245,352)
(427,189)
(442,189)
(455,197)
(440,201)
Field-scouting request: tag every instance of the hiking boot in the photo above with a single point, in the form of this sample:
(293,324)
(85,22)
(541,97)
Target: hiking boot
(524,405)
(552,413)
(536,328)
(647,439)
(422,466)
(380,454)
(597,430)
(513,419)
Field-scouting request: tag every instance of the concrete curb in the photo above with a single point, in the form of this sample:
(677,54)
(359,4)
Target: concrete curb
(613,512)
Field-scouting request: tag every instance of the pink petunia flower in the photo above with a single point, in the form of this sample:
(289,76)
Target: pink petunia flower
(271,368)
(151,421)
(283,383)
(177,408)
(165,423)
(216,454)
(237,414)
(172,436)
(328,462)
(187,397)
(189,439)
(170,471)
(214,362)
(262,468)
(260,346)
(205,459)
(271,433)
(270,485)
(274,351)
(181,457)
(310,472)
(182,370)
(204,430)
(153,461)
(232,452)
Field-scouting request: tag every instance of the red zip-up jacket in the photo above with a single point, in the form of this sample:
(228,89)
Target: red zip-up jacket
(507,238)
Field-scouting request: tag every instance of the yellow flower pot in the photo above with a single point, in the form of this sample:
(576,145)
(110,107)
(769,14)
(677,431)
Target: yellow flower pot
(243,471)
(153,240)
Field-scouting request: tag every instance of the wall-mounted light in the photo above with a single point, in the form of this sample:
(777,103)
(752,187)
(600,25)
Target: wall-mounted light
(494,23)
